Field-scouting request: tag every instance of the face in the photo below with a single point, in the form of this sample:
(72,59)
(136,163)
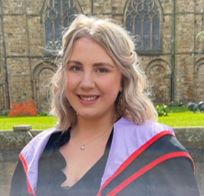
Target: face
(93,80)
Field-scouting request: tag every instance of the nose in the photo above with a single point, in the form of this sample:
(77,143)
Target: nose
(87,81)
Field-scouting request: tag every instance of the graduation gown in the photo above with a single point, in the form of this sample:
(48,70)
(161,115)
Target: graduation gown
(142,160)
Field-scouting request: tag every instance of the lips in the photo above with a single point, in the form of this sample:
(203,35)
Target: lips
(88,97)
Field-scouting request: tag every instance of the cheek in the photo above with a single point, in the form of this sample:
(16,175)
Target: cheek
(112,85)
(71,83)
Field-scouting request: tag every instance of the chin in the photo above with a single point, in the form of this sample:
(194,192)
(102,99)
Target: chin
(88,115)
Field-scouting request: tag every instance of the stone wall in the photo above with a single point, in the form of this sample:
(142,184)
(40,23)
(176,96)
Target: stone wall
(22,29)
(13,142)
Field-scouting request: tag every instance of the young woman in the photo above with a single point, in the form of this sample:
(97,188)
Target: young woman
(107,141)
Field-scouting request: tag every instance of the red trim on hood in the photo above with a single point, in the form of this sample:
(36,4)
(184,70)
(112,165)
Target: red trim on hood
(133,156)
(147,168)
(26,169)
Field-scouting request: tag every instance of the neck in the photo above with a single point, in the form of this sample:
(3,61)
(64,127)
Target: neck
(89,128)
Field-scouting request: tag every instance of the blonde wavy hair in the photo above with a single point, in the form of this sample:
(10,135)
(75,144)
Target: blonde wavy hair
(133,103)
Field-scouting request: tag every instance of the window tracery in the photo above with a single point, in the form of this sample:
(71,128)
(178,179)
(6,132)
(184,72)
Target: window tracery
(143,21)
(58,14)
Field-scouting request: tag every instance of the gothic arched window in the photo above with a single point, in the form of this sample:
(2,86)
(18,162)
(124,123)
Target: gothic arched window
(142,19)
(58,14)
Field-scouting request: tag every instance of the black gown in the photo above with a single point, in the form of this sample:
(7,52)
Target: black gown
(172,177)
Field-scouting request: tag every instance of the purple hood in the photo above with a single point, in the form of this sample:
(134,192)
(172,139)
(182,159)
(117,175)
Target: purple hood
(127,138)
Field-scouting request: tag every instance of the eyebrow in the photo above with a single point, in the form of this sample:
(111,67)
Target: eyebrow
(95,64)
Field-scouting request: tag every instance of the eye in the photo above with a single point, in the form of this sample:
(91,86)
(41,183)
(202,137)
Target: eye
(102,70)
(75,68)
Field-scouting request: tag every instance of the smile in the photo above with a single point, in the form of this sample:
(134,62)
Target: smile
(88,98)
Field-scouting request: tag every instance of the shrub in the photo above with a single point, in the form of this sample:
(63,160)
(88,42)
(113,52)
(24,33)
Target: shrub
(162,110)
(42,114)
(23,109)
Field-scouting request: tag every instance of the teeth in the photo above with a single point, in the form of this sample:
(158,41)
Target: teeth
(88,98)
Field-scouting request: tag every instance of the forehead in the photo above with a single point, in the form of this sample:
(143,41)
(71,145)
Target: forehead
(85,49)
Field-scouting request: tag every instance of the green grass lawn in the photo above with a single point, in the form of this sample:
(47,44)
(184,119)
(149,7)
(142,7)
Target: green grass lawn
(175,119)
(183,119)
(37,122)
(177,109)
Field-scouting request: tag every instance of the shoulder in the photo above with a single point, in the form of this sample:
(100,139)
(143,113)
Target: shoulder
(149,127)
(139,149)
(31,154)
(38,143)
(137,135)
(149,139)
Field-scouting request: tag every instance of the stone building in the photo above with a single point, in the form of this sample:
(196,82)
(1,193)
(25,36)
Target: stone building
(165,33)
